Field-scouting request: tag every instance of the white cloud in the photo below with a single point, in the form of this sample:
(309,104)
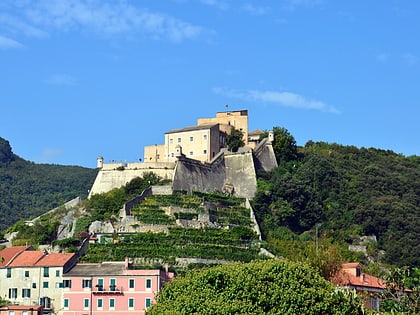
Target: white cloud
(219,4)
(254,10)
(18,26)
(286,99)
(8,43)
(102,17)
(382,57)
(410,59)
(61,80)
(294,4)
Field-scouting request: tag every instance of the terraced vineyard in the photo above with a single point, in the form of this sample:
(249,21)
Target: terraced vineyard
(229,237)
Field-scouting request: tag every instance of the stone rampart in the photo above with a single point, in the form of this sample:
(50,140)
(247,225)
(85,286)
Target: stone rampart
(112,176)
(227,172)
(264,156)
(192,175)
(240,174)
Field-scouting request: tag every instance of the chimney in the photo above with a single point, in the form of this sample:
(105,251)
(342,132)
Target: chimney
(166,268)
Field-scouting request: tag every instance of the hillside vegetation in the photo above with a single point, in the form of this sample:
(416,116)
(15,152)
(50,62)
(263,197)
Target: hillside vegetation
(343,192)
(28,189)
(322,198)
(225,234)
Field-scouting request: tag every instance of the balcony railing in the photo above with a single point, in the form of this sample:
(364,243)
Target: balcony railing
(109,290)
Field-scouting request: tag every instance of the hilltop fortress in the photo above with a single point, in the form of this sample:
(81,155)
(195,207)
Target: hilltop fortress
(196,159)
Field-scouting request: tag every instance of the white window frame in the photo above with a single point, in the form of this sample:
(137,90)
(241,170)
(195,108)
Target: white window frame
(86,303)
(111,307)
(134,303)
(147,302)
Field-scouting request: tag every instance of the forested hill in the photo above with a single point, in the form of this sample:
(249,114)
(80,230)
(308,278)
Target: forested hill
(28,189)
(344,191)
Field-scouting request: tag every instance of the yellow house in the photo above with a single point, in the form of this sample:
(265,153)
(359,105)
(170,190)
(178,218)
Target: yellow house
(226,120)
(202,142)
(197,142)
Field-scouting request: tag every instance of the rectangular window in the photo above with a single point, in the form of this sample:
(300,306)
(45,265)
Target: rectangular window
(9,273)
(179,140)
(86,283)
(57,273)
(26,273)
(11,313)
(130,303)
(205,137)
(45,284)
(86,303)
(171,141)
(13,293)
(191,139)
(148,302)
(46,271)
(204,151)
(33,285)
(25,313)
(112,284)
(191,153)
(100,303)
(131,283)
(111,303)
(172,155)
(148,283)
(100,285)
(66,283)
(59,285)
(26,293)
(66,303)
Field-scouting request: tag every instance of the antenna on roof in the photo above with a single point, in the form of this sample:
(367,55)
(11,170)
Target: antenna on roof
(227,105)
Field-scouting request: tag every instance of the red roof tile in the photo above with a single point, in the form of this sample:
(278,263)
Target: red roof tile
(27,259)
(9,253)
(55,260)
(347,276)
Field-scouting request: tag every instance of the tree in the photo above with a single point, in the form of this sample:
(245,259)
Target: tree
(235,140)
(402,293)
(284,145)
(259,287)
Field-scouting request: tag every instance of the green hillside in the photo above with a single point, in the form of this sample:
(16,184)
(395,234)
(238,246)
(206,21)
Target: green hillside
(28,189)
(324,194)
(344,192)
(229,235)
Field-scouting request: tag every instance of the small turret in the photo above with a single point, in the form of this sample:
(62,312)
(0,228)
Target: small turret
(271,136)
(178,151)
(100,162)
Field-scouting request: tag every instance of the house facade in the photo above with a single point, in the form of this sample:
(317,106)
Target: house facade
(201,142)
(21,310)
(110,288)
(369,287)
(34,277)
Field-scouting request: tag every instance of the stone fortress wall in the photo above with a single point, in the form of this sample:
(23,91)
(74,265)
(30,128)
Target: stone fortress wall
(234,173)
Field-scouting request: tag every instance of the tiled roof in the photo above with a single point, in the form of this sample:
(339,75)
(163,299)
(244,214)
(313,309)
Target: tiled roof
(256,132)
(106,269)
(36,258)
(192,128)
(55,260)
(8,253)
(27,259)
(21,308)
(346,277)
(351,265)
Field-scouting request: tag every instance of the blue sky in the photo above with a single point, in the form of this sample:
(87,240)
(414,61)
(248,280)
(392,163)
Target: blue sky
(86,78)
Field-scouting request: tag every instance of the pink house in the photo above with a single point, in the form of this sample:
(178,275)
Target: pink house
(21,310)
(109,288)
